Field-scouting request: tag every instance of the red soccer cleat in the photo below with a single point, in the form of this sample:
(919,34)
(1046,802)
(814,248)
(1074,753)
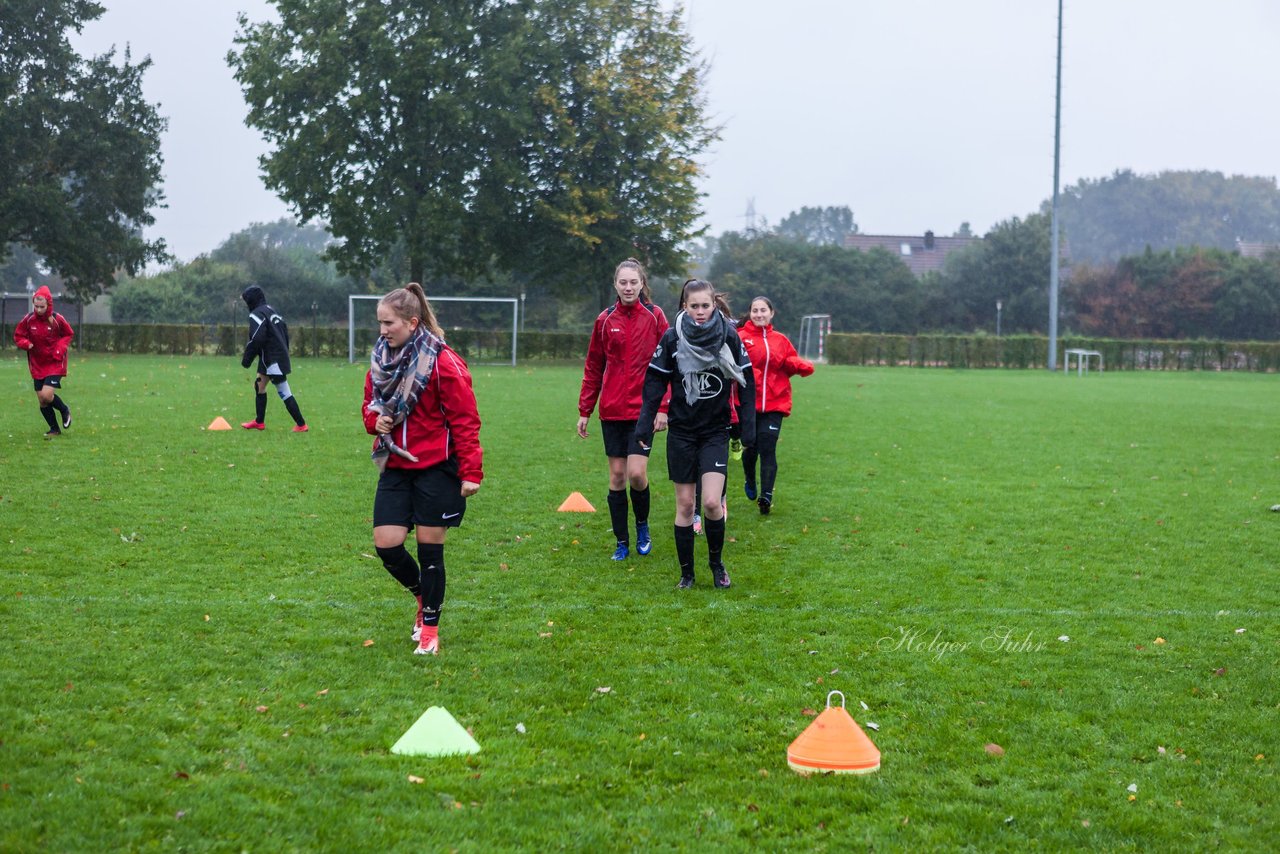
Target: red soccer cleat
(254,425)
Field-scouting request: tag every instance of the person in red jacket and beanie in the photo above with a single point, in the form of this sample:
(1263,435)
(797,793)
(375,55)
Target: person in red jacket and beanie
(773,361)
(622,342)
(419,403)
(46,335)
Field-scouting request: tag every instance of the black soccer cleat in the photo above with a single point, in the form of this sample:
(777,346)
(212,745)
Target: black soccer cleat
(66,419)
(765,505)
(720,576)
(686,581)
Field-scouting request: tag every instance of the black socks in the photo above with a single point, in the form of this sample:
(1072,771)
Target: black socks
(431,559)
(50,419)
(618,514)
(402,568)
(713,529)
(260,406)
(640,504)
(684,548)
(292,405)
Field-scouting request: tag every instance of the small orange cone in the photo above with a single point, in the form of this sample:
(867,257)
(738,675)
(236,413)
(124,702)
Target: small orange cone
(219,423)
(833,743)
(576,503)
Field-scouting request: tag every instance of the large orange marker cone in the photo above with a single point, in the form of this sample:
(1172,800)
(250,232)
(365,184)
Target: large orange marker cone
(576,503)
(219,423)
(833,743)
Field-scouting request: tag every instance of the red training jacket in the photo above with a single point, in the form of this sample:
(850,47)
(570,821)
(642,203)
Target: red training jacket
(444,424)
(45,338)
(774,361)
(622,343)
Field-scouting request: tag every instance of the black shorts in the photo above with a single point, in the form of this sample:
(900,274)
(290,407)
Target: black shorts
(51,382)
(428,498)
(689,457)
(620,439)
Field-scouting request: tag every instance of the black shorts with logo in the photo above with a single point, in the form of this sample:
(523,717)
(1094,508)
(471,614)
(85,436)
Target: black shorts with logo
(620,439)
(689,457)
(428,498)
(51,382)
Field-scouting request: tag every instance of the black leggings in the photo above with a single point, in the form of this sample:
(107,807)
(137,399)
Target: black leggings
(768,428)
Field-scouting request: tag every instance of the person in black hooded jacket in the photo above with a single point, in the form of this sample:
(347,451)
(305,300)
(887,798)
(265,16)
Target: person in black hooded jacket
(269,344)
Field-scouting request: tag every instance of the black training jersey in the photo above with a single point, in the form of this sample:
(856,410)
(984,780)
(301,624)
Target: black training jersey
(710,411)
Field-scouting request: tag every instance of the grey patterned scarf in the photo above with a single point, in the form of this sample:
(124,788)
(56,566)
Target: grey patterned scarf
(700,347)
(399,376)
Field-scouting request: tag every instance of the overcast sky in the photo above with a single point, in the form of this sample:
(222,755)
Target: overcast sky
(917,114)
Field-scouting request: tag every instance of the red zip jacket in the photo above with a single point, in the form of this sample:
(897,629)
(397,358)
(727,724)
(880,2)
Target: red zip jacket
(445,423)
(622,343)
(46,344)
(774,361)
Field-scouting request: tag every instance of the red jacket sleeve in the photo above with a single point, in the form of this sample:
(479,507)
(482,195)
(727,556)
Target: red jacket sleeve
(458,402)
(20,334)
(370,417)
(65,334)
(592,370)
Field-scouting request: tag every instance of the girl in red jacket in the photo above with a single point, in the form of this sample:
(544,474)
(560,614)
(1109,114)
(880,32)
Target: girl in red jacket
(618,354)
(774,362)
(46,335)
(419,404)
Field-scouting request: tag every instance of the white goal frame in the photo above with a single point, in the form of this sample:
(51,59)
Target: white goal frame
(814,329)
(515,317)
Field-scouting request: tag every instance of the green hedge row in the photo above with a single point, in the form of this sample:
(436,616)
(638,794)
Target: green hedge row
(1032,351)
(943,351)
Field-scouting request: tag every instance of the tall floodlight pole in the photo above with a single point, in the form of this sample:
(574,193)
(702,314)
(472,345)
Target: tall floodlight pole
(1053,229)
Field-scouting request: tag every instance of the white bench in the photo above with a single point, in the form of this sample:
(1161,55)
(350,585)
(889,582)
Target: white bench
(1082,361)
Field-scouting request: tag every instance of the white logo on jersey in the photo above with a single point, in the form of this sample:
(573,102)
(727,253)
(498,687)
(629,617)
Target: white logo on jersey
(657,352)
(708,384)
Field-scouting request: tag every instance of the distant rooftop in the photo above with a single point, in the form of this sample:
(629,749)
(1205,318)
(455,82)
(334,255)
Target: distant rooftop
(920,252)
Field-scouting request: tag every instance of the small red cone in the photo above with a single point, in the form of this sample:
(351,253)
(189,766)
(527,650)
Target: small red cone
(833,743)
(576,503)
(219,423)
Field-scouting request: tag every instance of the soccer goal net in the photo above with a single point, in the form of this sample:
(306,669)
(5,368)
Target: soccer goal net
(483,330)
(812,341)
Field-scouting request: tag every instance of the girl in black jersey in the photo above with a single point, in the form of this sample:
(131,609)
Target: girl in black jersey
(699,358)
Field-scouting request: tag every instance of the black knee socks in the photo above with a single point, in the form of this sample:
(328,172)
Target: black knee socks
(640,504)
(431,560)
(713,530)
(749,456)
(618,514)
(260,406)
(60,406)
(402,568)
(292,405)
(47,412)
(684,549)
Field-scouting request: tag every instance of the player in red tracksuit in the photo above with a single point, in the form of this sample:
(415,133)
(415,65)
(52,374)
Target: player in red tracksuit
(419,403)
(46,335)
(618,354)
(773,361)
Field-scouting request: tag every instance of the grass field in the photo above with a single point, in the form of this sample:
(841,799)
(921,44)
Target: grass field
(1082,571)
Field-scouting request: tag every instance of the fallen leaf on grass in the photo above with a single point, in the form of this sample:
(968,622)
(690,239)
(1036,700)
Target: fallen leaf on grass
(206,618)
(605,689)
(544,634)
(68,687)
(1084,822)
(1065,638)
(873,725)
(1160,641)
(1221,671)
(415,779)
(1239,631)
(520,728)
(261,709)
(503,567)
(865,707)
(808,713)
(181,775)
(1260,757)
(1133,787)
(1133,797)
(994,749)
(752,808)
(369,642)
(322,692)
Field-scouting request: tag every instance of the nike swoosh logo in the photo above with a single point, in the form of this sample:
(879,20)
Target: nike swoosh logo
(449,515)
(719,465)
(774,429)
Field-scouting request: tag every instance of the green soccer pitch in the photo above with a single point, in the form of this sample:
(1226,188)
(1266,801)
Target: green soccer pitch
(1056,596)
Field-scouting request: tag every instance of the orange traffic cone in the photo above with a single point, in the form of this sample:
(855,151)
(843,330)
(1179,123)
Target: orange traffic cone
(576,503)
(219,423)
(833,743)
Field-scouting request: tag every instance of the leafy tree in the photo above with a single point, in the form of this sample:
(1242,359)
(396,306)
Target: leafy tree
(557,138)
(1106,219)
(1011,264)
(619,120)
(827,226)
(79,148)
